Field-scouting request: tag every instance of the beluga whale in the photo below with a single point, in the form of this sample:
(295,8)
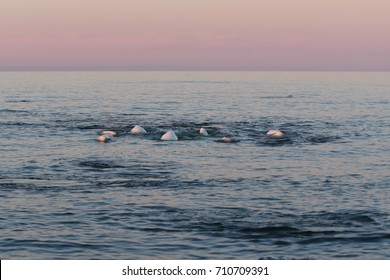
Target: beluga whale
(169,136)
(138,130)
(104,137)
(203,131)
(275,133)
(227,140)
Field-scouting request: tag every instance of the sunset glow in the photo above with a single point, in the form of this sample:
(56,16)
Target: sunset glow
(195,35)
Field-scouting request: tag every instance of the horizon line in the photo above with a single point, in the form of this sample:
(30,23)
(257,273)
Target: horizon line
(189,69)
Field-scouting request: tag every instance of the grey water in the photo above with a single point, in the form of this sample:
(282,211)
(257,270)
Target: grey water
(319,192)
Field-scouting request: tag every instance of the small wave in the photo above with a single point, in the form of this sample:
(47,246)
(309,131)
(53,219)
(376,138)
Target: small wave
(39,184)
(363,238)
(14,111)
(278,258)
(133,114)
(91,126)
(19,101)
(276,96)
(99,164)
(318,139)
(49,244)
(342,218)
(143,181)
(198,82)
(16,186)
(21,124)
(269,141)
(270,230)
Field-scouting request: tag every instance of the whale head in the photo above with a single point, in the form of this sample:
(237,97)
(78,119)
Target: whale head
(203,131)
(104,137)
(275,133)
(169,136)
(137,130)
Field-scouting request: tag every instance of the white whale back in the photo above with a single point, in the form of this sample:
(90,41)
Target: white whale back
(275,133)
(169,136)
(137,130)
(110,132)
(226,139)
(203,131)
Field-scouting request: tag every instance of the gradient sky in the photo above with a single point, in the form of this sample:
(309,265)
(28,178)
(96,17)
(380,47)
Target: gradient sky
(195,34)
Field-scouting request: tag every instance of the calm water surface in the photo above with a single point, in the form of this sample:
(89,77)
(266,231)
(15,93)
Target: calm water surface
(320,192)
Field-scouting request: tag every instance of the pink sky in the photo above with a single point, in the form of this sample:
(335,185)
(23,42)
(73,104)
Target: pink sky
(195,34)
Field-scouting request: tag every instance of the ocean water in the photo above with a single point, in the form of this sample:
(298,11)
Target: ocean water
(319,192)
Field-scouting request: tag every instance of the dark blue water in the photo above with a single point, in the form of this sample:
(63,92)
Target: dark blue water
(320,192)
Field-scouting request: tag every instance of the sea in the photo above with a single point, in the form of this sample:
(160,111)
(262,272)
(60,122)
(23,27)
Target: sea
(321,191)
